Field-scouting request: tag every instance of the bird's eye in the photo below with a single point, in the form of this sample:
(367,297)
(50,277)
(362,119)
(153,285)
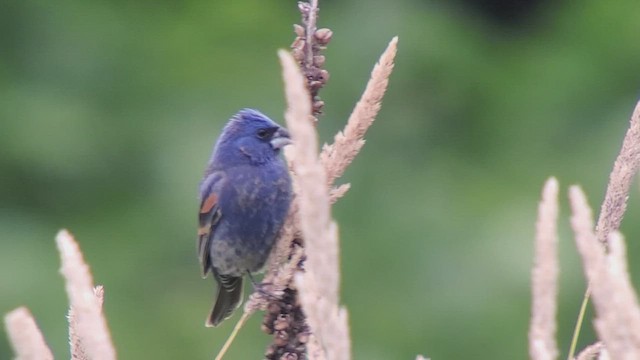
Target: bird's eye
(263,133)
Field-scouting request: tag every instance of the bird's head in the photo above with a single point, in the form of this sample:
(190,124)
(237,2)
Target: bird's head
(252,137)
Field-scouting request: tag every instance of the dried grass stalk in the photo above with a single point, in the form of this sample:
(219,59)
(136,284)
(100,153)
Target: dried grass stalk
(616,305)
(318,285)
(347,143)
(625,167)
(90,325)
(311,11)
(307,51)
(25,337)
(542,329)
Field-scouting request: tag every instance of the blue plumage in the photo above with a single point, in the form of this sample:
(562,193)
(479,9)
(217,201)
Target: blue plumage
(244,200)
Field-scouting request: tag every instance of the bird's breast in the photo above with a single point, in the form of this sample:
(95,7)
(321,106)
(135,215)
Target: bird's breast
(256,203)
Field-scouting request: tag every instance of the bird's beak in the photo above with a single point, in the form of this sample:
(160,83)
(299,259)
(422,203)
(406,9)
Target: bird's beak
(280,139)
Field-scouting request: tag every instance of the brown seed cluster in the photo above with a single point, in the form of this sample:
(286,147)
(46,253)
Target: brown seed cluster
(286,322)
(306,48)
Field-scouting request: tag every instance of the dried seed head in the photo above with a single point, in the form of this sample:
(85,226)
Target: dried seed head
(287,324)
(323,36)
(315,85)
(298,54)
(271,350)
(303,337)
(318,60)
(299,30)
(281,338)
(266,329)
(304,7)
(289,356)
(298,43)
(323,76)
(317,106)
(281,323)
(274,308)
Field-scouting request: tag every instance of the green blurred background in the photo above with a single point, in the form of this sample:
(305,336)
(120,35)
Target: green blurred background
(109,109)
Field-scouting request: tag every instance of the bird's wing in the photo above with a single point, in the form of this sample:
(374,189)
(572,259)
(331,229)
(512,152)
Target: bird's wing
(208,217)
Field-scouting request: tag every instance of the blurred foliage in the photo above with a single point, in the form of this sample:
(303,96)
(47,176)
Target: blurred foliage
(108,111)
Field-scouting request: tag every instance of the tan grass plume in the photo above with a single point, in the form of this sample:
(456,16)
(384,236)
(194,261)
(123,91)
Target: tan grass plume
(617,319)
(25,337)
(593,352)
(544,278)
(625,167)
(90,325)
(76,345)
(347,143)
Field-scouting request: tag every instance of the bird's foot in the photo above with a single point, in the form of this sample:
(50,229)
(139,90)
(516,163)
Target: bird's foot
(265,289)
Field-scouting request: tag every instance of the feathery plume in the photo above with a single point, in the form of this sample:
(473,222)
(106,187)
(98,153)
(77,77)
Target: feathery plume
(625,167)
(616,305)
(90,325)
(77,349)
(614,204)
(25,337)
(338,191)
(318,285)
(542,329)
(347,143)
(593,352)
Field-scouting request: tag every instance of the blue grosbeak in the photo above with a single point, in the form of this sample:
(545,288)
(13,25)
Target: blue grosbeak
(244,200)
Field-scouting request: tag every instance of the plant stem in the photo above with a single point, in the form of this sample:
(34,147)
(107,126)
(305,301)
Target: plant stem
(576,330)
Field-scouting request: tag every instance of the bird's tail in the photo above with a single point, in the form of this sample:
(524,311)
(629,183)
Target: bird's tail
(228,299)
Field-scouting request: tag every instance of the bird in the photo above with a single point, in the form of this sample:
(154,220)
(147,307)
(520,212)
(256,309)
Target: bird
(245,196)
